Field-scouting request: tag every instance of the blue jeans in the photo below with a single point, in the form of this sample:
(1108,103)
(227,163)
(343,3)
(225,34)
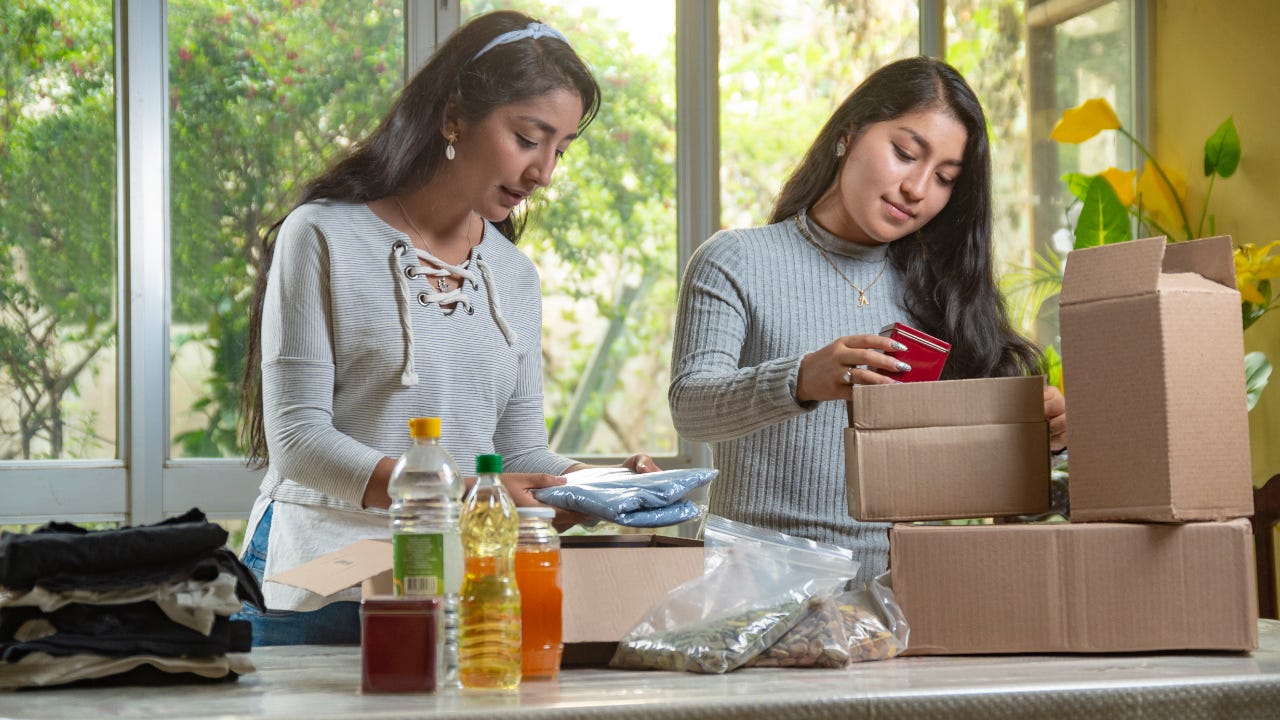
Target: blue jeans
(334,624)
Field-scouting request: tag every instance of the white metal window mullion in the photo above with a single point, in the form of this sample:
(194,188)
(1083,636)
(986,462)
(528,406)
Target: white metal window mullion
(697,147)
(143,136)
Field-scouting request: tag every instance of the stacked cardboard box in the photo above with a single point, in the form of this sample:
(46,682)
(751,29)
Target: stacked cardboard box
(1153,367)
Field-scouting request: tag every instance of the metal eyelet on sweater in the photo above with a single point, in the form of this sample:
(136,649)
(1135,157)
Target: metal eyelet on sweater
(471,310)
(410,272)
(422,299)
(401,246)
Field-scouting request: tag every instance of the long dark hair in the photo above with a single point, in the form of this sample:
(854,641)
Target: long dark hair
(947,266)
(407,148)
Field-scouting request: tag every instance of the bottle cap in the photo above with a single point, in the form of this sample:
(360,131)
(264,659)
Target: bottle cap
(540,511)
(488,464)
(424,427)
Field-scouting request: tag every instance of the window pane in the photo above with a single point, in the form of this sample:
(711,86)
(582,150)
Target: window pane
(987,43)
(785,65)
(262,95)
(57,232)
(604,235)
(1072,59)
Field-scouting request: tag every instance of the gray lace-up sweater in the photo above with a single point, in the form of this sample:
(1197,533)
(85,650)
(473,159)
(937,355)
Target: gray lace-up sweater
(753,302)
(352,348)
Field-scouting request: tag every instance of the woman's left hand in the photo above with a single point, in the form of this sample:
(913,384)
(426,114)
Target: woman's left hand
(1055,411)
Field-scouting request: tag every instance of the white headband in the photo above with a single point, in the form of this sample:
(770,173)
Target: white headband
(533,31)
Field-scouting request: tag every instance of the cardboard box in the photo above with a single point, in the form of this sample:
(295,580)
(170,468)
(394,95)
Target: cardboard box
(949,449)
(1080,587)
(610,582)
(1153,366)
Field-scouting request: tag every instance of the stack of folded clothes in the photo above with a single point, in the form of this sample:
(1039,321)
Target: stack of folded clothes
(149,604)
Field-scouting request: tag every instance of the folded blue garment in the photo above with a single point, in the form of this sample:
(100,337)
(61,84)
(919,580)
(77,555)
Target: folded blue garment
(634,500)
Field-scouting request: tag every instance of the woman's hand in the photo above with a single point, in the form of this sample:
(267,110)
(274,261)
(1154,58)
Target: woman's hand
(521,486)
(1055,411)
(640,463)
(828,373)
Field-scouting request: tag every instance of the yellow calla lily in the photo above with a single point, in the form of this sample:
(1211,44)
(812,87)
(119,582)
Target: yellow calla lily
(1249,292)
(1253,265)
(1157,202)
(1084,121)
(1122,182)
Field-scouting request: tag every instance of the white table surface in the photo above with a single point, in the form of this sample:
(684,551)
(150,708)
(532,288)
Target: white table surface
(318,682)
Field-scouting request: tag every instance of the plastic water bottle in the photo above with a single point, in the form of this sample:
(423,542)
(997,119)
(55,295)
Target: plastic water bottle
(489,605)
(425,489)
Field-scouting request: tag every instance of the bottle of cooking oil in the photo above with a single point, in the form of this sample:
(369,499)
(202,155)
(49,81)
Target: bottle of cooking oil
(489,604)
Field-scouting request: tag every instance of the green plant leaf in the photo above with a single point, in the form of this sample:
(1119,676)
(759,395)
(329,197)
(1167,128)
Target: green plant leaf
(1077,183)
(1051,363)
(1222,150)
(1103,219)
(1257,371)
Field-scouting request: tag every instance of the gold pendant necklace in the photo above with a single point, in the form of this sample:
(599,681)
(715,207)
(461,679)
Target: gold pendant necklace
(441,283)
(862,293)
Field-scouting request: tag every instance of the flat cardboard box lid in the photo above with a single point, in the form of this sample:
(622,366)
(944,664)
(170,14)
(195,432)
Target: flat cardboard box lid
(1139,267)
(982,401)
(339,569)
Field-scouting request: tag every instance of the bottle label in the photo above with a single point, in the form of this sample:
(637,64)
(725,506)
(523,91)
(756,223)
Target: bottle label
(418,563)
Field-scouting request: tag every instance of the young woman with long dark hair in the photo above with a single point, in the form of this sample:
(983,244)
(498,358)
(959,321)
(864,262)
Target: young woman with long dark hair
(887,218)
(394,289)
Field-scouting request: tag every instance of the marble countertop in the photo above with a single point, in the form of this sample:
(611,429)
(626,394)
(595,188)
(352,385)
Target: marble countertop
(320,682)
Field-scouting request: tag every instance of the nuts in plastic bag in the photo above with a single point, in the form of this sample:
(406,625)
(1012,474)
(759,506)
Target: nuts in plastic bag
(854,626)
(716,646)
(756,585)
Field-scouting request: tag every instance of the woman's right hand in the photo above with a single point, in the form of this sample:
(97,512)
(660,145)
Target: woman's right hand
(828,373)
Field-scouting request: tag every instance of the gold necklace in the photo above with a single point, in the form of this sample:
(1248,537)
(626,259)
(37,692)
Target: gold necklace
(441,283)
(862,293)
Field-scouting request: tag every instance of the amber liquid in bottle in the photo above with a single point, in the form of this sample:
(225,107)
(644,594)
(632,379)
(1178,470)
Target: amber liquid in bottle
(489,604)
(538,572)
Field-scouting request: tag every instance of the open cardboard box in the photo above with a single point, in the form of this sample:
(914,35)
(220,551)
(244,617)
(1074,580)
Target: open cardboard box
(1078,587)
(1153,367)
(609,581)
(947,449)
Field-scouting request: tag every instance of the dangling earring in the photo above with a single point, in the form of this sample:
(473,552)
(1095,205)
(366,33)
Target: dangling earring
(840,148)
(449,152)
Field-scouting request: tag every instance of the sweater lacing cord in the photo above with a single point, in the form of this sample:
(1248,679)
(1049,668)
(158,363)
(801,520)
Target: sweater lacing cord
(455,297)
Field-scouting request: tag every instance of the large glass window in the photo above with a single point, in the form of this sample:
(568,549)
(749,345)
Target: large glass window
(784,68)
(1075,51)
(232,105)
(604,236)
(257,105)
(986,41)
(58,248)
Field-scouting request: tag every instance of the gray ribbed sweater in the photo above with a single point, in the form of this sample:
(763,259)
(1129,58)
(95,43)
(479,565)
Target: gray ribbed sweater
(753,302)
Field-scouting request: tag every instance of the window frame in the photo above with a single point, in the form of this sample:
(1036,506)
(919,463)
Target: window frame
(143,484)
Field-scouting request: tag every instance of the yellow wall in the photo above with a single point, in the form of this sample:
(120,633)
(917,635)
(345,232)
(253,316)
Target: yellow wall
(1210,60)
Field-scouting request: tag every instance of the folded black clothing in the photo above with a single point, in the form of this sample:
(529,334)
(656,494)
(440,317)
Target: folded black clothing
(60,547)
(205,568)
(114,631)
